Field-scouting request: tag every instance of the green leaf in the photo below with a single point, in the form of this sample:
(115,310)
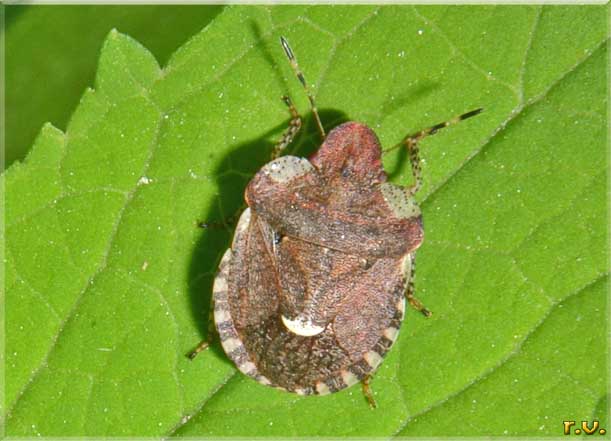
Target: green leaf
(108,279)
(47,70)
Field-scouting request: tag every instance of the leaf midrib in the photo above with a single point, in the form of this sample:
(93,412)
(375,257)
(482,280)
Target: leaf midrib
(511,355)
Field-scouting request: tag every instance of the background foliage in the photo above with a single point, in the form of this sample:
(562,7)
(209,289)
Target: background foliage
(52,53)
(107,279)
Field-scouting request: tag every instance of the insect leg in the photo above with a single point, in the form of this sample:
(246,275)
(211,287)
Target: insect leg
(411,142)
(367,391)
(227,221)
(200,347)
(409,293)
(290,132)
(293,61)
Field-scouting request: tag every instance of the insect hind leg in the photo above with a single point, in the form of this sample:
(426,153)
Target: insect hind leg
(367,392)
(409,292)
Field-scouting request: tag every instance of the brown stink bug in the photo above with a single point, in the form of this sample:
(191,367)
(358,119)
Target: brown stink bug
(311,294)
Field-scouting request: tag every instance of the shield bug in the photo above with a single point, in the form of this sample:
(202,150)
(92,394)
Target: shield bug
(311,294)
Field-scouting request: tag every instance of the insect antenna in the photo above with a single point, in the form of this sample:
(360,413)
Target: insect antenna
(293,61)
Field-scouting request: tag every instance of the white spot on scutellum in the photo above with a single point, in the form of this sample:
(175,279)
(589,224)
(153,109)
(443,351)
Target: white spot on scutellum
(322,388)
(302,326)
(373,359)
(399,201)
(285,168)
(349,378)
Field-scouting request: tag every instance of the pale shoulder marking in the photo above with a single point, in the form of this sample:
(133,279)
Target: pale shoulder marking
(285,168)
(399,201)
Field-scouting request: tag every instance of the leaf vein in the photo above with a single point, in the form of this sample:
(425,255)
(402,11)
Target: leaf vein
(99,270)
(533,30)
(515,352)
(455,49)
(514,114)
